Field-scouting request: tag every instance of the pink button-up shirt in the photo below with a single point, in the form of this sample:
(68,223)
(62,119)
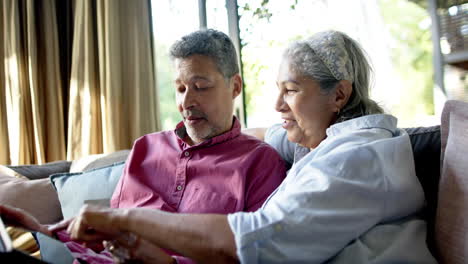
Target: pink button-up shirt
(225,174)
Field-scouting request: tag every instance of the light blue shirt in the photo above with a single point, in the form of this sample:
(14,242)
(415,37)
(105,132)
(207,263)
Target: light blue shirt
(353,199)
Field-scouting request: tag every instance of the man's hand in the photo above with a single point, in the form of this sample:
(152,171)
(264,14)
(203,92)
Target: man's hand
(19,218)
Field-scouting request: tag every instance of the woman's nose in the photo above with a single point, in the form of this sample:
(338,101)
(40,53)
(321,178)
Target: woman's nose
(280,105)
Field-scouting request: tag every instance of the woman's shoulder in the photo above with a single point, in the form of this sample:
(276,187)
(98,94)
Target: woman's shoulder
(364,132)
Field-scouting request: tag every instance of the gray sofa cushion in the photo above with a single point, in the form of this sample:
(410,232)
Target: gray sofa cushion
(426,151)
(34,172)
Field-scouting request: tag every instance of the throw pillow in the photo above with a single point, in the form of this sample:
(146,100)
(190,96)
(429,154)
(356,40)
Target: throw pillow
(77,189)
(451,228)
(80,164)
(116,157)
(37,197)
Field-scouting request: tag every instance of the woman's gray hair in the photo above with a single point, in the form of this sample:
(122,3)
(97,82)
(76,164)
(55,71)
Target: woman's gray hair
(329,57)
(212,43)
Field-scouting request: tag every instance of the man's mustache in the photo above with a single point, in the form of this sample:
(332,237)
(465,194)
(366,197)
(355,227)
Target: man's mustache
(194,113)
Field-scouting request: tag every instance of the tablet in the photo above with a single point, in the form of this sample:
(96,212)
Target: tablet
(5,241)
(8,254)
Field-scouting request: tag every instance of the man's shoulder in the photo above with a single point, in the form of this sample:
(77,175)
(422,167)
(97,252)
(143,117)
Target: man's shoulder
(156,136)
(255,145)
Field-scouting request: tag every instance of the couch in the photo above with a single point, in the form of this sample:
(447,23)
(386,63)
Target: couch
(445,187)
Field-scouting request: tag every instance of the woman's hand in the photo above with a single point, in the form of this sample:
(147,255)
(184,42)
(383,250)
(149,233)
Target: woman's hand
(129,248)
(17,217)
(94,223)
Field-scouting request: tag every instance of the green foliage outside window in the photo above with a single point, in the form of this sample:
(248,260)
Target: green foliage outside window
(409,25)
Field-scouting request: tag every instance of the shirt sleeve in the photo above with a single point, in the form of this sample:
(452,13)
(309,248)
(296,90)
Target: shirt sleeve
(266,175)
(277,137)
(326,204)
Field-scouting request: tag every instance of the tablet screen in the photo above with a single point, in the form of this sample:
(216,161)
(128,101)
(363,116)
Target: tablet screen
(5,241)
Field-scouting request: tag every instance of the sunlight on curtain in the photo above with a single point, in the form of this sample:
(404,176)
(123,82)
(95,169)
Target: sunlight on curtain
(112,87)
(84,118)
(17,99)
(32,90)
(5,154)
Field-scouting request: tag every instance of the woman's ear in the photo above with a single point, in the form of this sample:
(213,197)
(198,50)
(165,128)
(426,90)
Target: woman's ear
(343,91)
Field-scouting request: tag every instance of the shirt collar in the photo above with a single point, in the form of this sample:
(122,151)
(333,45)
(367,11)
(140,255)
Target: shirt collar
(382,121)
(181,132)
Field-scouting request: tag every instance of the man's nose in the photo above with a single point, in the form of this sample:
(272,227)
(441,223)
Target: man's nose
(189,98)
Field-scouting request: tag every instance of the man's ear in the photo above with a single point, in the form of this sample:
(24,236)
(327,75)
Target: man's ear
(343,91)
(236,82)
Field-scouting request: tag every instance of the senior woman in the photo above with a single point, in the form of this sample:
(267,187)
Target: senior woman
(351,195)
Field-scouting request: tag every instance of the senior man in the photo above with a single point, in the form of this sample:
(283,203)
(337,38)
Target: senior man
(205,165)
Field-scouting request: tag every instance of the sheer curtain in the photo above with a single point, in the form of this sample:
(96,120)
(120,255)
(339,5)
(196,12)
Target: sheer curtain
(112,86)
(31,109)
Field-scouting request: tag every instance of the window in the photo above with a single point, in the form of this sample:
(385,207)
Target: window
(171,20)
(395,34)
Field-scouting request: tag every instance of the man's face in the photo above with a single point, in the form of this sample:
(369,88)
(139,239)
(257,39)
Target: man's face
(204,97)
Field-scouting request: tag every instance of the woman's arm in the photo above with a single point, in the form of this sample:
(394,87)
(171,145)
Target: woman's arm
(20,218)
(205,238)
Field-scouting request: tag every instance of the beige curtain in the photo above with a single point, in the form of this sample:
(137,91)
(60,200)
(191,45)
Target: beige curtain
(112,86)
(31,109)
(5,153)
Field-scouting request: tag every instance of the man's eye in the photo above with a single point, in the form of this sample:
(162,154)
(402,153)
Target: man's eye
(202,88)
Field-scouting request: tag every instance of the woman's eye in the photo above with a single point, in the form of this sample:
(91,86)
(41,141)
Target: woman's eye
(290,91)
(181,89)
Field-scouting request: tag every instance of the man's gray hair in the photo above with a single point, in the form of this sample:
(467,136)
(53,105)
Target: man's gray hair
(212,43)
(311,61)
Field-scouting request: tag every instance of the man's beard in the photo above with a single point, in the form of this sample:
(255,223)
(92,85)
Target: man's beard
(206,131)
(199,135)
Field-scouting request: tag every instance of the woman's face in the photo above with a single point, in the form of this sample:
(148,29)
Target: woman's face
(307,111)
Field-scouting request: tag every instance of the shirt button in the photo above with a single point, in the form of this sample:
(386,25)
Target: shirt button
(179,188)
(186,153)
